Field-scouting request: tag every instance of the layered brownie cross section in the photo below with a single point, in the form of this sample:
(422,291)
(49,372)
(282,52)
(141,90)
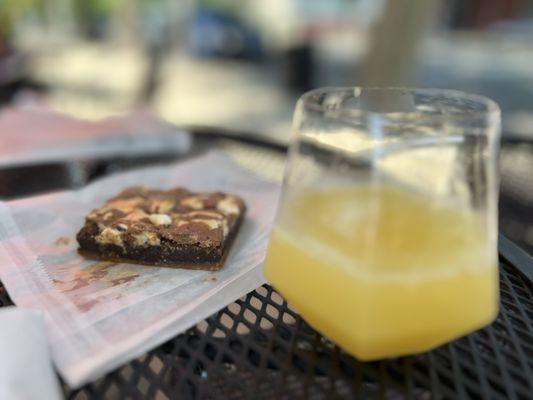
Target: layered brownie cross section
(173,227)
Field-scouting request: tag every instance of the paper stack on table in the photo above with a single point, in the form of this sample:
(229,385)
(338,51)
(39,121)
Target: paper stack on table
(100,315)
(35,134)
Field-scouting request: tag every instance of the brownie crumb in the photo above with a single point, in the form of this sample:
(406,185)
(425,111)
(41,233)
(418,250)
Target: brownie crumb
(62,241)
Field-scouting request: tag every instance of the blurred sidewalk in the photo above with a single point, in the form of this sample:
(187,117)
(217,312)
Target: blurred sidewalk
(99,80)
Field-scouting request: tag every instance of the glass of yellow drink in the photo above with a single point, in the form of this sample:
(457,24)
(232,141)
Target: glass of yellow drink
(386,235)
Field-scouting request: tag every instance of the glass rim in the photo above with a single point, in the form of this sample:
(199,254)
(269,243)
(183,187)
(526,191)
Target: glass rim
(492,110)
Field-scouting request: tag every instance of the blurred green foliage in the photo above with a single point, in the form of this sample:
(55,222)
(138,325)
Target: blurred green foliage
(102,7)
(88,13)
(10,10)
(226,5)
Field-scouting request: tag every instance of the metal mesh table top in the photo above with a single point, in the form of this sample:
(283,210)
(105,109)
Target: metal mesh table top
(260,348)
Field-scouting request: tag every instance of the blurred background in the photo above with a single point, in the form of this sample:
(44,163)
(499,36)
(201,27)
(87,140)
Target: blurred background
(239,65)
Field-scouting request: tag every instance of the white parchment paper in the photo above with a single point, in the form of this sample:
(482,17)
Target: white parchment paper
(26,371)
(100,315)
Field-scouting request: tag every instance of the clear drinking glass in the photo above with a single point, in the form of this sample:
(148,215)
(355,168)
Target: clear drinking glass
(386,235)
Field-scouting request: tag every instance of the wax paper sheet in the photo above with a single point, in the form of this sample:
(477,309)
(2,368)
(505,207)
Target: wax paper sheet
(100,315)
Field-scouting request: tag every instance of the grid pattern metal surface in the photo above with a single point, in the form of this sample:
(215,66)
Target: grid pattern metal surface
(258,347)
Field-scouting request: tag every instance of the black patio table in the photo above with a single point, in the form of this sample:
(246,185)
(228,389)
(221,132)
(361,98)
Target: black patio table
(259,348)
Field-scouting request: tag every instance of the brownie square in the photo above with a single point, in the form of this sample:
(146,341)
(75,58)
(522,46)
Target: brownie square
(173,227)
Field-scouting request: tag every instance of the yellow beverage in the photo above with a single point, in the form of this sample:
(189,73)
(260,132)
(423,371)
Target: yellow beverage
(383,271)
